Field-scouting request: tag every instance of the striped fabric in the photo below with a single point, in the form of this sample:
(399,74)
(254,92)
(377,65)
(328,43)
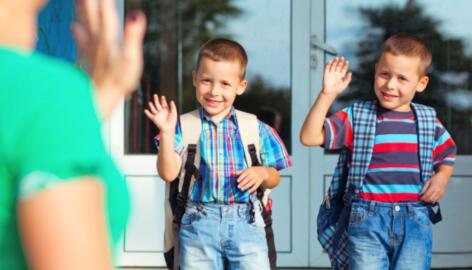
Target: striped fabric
(222,156)
(332,218)
(394,172)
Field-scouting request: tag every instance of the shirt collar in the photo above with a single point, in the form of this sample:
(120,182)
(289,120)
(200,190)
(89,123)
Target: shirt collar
(231,116)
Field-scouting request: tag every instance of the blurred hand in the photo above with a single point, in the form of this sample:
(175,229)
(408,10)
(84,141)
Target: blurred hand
(115,66)
(251,178)
(335,77)
(162,115)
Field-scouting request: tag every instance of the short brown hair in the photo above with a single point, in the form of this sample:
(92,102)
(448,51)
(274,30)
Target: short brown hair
(221,49)
(412,46)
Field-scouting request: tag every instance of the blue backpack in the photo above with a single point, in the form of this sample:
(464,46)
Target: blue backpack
(333,216)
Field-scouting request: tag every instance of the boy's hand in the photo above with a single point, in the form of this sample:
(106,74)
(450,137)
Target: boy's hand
(162,115)
(335,77)
(251,178)
(434,189)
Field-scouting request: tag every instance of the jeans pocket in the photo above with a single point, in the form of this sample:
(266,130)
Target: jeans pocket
(420,216)
(189,217)
(357,216)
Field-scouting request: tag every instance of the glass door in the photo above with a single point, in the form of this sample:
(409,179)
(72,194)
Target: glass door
(276,37)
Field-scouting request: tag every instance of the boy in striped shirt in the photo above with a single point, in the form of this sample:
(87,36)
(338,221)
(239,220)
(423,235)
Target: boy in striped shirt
(389,226)
(218,228)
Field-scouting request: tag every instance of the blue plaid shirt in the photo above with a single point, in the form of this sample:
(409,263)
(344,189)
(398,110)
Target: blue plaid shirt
(222,156)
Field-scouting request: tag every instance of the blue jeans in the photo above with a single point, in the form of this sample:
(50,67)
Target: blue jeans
(214,235)
(393,236)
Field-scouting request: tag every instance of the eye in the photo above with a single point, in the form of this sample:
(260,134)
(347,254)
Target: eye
(403,79)
(384,74)
(205,81)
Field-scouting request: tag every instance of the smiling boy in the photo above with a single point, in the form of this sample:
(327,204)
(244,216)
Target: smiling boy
(405,167)
(222,224)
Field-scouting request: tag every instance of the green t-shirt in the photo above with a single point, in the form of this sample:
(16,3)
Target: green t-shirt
(49,133)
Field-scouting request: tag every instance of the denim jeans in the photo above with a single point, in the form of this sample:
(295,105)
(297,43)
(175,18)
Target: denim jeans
(393,236)
(214,235)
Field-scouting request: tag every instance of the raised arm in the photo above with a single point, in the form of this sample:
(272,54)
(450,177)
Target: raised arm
(165,119)
(335,81)
(115,67)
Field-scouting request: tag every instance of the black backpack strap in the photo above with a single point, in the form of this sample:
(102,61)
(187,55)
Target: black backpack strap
(190,170)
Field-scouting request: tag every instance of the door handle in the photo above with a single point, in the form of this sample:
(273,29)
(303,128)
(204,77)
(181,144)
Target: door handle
(317,44)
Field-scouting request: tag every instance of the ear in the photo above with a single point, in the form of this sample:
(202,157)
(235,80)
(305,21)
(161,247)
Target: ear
(194,78)
(241,87)
(422,84)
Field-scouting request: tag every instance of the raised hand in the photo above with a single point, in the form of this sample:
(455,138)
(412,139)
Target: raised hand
(161,114)
(335,77)
(115,66)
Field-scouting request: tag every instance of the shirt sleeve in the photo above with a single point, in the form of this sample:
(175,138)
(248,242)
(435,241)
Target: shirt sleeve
(273,152)
(178,146)
(60,134)
(338,130)
(444,150)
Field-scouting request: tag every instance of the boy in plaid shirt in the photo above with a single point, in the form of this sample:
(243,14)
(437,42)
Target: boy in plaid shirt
(217,226)
(389,225)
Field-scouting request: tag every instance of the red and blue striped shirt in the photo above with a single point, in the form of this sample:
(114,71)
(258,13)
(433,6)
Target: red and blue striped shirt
(394,171)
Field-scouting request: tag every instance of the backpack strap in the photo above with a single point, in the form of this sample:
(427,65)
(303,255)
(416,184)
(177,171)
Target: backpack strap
(426,125)
(248,126)
(191,127)
(363,127)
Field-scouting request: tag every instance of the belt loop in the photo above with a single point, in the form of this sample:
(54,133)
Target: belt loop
(410,209)
(371,207)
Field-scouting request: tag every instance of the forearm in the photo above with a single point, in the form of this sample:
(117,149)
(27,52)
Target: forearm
(273,178)
(445,171)
(168,161)
(312,133)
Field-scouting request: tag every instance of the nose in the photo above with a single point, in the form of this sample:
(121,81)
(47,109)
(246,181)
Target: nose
(215,90)
(391,83)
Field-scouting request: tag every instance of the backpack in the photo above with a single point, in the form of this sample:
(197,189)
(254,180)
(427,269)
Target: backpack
(333,216)
(176,192)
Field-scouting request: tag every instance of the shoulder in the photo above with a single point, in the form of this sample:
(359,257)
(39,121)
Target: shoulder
(39,80)
(424,109)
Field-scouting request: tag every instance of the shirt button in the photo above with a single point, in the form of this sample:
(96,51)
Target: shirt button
(397,208)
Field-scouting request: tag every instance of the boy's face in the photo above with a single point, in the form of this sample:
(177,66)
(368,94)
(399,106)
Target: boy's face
(397,79)
(217,84)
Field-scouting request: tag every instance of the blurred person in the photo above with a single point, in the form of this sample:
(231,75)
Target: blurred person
(63,203)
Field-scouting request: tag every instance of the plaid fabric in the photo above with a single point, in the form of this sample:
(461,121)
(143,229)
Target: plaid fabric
(426,128)
(222,156)
(352,167)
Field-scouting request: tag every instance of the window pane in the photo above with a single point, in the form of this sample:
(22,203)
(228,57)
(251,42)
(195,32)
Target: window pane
(177,29)
(357,28)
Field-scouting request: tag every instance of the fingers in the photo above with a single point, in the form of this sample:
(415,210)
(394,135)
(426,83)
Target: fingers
(109,22)
(164,103)
(338,64)
(425,187)
(173,108)
(82,38)
(87,11)
(431,193)
(135,28)
(157,103)
(149,114)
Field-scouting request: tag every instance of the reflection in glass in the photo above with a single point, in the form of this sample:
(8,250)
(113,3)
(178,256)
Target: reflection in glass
(366,24)
(177,29)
